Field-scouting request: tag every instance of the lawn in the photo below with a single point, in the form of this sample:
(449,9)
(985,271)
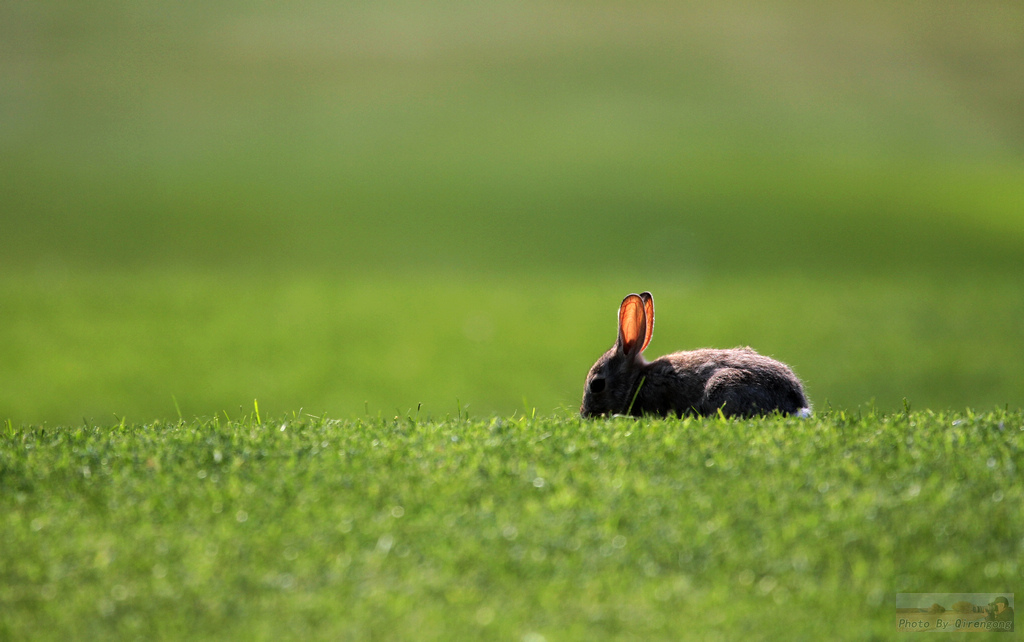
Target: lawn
(405,228)
(409,527)
(373,206)
(106,347)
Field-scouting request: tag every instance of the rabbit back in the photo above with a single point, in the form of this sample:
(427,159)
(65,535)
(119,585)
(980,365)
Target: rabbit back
(738,381)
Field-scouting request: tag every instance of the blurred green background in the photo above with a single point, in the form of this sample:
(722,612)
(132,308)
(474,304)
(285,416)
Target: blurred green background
(366,206)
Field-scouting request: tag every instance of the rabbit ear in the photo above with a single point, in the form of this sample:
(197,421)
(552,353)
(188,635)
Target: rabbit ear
(648,300)
(632,326)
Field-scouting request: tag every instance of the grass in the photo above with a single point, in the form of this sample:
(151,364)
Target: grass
(335,207)
(361,209)
(521,137)
(412,527)
(98,346)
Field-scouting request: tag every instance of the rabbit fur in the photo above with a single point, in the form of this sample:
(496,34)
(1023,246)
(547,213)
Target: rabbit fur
(737,382)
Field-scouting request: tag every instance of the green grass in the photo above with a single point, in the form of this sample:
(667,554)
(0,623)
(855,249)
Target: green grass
(354,210)
(335,207)
(411,527)
(105,346)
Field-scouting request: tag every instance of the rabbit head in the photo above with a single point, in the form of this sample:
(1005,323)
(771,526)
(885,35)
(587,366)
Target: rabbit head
(613,380)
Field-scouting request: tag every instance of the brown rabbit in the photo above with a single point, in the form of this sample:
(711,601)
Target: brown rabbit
(702,382)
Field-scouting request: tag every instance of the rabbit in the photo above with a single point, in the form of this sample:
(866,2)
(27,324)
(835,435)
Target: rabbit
(737,382)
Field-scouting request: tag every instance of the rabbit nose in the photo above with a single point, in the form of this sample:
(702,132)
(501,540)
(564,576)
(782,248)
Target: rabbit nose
(588,413)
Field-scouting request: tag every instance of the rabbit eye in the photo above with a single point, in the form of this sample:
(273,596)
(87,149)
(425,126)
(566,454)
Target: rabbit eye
(597,385)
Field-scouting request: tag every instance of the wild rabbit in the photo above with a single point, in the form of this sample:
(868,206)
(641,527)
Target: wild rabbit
(739,382)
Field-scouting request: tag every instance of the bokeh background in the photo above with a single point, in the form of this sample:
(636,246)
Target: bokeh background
(378,207)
